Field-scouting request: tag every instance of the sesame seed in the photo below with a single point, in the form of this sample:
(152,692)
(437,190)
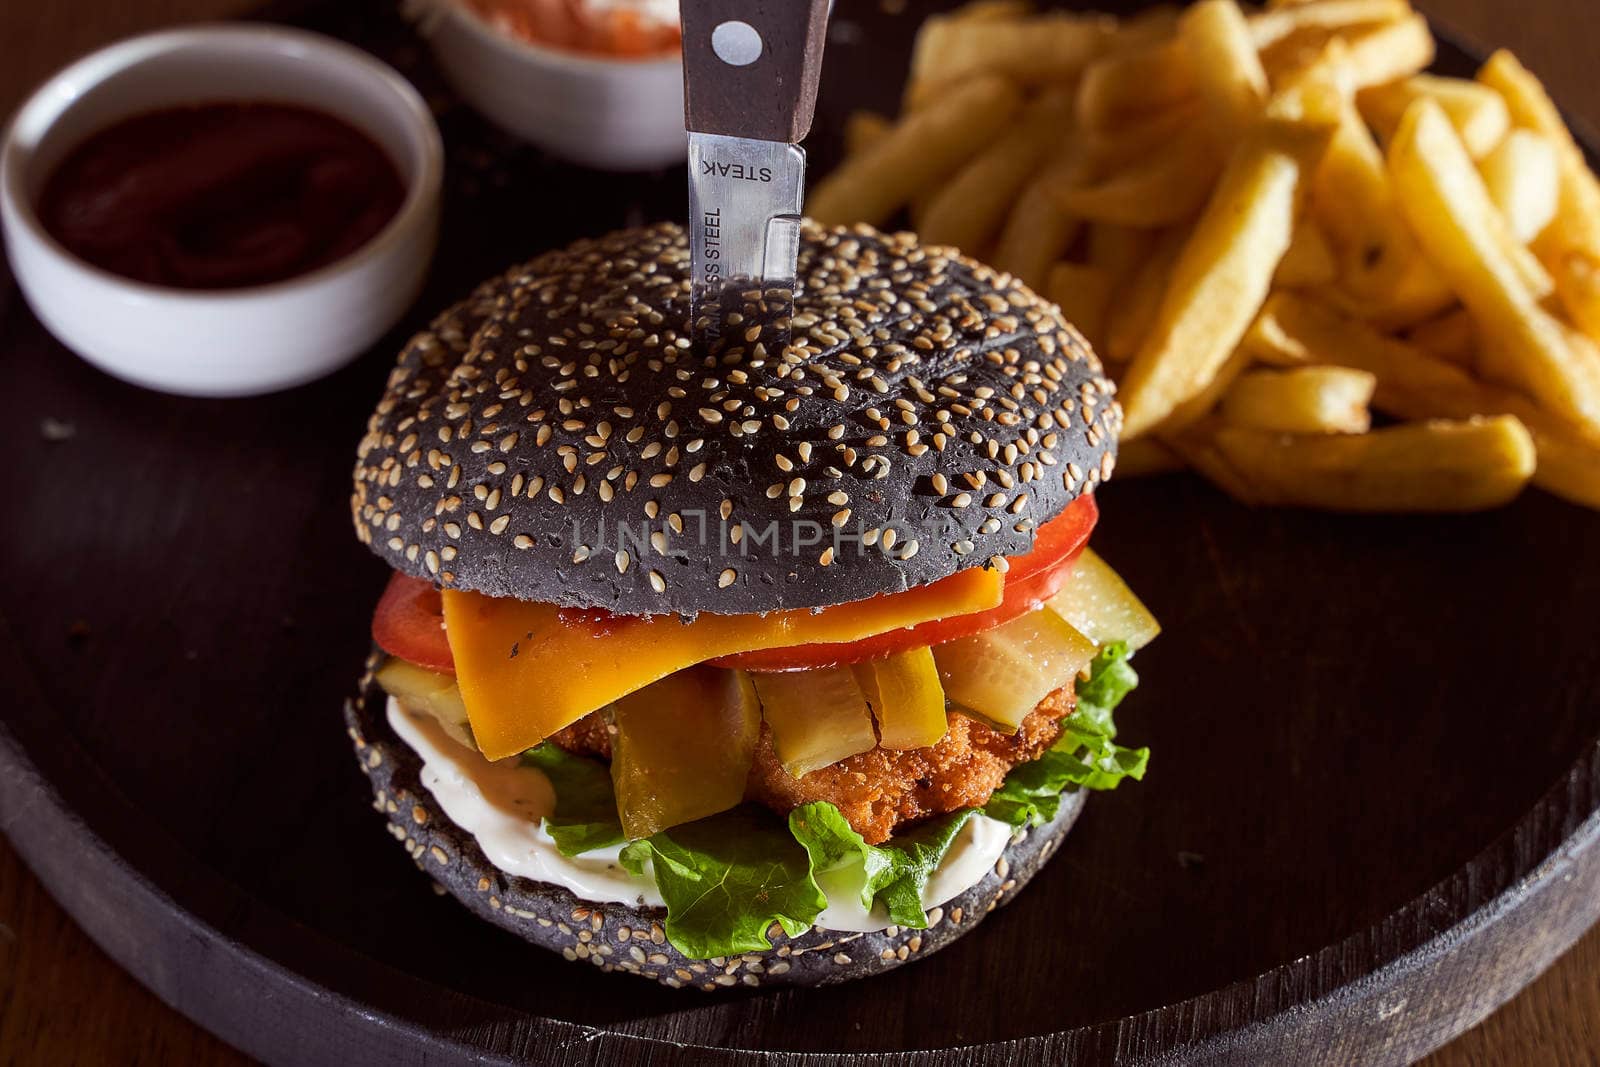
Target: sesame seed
(726,578)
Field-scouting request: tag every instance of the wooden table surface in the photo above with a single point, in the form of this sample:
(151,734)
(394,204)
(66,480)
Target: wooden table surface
(63,1002)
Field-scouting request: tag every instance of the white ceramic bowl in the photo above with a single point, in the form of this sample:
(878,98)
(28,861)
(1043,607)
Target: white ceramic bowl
(229,342)
(614,114)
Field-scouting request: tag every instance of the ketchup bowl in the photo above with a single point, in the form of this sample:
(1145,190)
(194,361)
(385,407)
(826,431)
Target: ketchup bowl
(252,338)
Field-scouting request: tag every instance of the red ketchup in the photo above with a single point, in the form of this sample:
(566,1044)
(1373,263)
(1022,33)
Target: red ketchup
(219,196)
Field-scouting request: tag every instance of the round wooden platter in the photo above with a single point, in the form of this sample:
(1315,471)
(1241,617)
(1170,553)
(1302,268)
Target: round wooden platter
(1373,811)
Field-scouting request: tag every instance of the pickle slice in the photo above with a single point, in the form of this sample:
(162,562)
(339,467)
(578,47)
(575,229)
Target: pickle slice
(1099,605)
(420,689)
(683,748)
(906,698)
(1003,674)
(818,717)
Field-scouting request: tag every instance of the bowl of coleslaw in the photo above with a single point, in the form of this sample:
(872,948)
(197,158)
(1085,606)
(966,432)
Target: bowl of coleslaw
(596,82)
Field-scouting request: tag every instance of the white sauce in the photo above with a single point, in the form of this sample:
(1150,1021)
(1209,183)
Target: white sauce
(660,12)
(503,805)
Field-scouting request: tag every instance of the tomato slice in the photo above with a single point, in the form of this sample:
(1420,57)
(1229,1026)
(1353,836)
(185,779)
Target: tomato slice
(1057,539)
(1031,579)
(409,623)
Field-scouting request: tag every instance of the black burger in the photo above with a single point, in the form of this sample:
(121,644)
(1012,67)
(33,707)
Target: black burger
(782,665)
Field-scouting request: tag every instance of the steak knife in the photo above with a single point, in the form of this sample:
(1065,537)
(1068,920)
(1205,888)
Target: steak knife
(750,71)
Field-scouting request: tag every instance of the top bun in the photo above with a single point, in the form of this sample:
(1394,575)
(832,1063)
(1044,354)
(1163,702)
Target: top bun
(555,437)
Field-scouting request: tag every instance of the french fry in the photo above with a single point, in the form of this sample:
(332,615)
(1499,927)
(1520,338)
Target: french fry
(924,148)
(1231,79)
(1038,232)
(865,130)
(1119,147)
(1132,315)
(1082,292)
(1146,458)
(992,11)
(1127,84)
(1413,384)
(1042,50)
(1293,330)
(1169,186)
(1452,337)
(1204,402)
(1309,263)
(1381,268)
(1268,340)
(1222,276)
(1468,242)
(1478,113)
(1568,468)
(1329,16)
(1523,175)
(1434,466)
(1388,52)
(1304,400)
(969,210)
(1571,246)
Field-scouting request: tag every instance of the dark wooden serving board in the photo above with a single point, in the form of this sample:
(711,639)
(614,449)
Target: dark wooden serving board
(1373,811)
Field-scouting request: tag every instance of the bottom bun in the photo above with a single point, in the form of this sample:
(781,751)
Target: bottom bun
(625,938)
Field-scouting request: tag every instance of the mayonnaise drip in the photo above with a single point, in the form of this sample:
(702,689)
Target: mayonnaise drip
(503,805)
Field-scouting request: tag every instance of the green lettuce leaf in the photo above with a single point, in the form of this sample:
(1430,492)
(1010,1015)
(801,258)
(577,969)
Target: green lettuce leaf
(1086,755)
(726,879)
(586,805)
(896,872)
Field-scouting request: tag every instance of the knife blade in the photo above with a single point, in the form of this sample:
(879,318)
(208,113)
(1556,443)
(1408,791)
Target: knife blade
(750,84)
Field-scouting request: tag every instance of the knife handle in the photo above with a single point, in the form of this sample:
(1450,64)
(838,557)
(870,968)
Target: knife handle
(750,67)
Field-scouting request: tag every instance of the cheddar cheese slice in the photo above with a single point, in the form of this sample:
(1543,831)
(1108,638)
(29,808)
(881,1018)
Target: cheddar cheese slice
(527,670)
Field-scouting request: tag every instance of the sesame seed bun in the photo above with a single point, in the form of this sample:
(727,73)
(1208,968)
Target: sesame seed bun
(554,438)
(621,937)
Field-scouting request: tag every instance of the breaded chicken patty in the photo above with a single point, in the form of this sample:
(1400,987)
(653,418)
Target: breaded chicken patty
(882,789)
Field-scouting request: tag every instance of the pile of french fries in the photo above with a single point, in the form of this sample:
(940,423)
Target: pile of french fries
(1271,223)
